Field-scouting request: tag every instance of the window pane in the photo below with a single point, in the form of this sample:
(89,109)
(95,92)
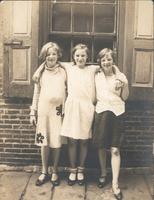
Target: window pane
(104,18)
(104,1)
(82,18)
(61,19)
(99,44)
(65,44)
(84,40)
(54,1)
(82,0)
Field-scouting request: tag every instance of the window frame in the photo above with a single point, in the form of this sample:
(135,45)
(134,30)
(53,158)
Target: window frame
(93,35)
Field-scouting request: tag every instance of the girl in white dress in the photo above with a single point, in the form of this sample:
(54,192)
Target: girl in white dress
(47,109)
(79,111)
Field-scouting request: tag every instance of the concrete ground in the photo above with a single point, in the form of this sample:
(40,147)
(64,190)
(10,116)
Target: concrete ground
(21,186)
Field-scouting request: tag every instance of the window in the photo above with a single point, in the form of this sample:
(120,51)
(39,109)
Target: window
(92,22)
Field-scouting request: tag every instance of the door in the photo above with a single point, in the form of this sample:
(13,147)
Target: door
(20,47)
(139,49)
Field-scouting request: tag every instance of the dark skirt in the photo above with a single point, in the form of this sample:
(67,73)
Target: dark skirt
(107,130)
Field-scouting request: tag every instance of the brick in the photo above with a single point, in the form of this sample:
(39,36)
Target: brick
(13,150)
(12,121)
(29,151)
(12,140)
(21,145)
(12,111)
(5,126)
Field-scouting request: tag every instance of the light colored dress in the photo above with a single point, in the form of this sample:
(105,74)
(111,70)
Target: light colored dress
(79,105)
(48,100)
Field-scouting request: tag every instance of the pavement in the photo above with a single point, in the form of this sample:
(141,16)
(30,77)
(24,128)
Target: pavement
(20,185)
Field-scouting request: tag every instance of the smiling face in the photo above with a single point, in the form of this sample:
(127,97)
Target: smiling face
(80,57)
(106,63)
(52,57)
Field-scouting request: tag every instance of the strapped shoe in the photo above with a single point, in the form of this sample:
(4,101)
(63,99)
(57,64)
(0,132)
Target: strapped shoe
(55,179)
(80,176)
(101,181)
(117,192)
(43,178)
(72,176)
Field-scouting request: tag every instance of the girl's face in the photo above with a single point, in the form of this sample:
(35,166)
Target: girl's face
(80,57)
(52,57)
(106,63)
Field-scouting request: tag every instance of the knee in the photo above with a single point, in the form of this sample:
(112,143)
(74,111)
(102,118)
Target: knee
(115,151)
(83,142)
(72,142)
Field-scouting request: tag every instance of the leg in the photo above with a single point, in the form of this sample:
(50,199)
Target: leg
(45,157)
(72,150)
(55,155)
(102,162)
(115,164)
(82,159)
(44,175)
(83,152)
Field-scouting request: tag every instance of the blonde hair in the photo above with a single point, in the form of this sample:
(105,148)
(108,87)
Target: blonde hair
(46,47)
(80,46)
(103,52)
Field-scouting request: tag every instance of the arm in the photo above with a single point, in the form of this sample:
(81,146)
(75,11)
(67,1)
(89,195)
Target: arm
(33,108)
(65,65)
(125,92)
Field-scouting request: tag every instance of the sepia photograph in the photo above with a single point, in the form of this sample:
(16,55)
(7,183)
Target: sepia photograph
(77,99)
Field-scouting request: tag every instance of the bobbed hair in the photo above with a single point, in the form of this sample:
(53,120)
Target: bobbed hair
(103,52)
(80,46)
(46,47)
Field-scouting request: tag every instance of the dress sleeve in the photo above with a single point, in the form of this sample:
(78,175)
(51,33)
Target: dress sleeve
(34,106)
(38,72)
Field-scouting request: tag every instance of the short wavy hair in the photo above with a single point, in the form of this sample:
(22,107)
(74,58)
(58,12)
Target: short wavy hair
(103,52)
(80,46)
(46,47)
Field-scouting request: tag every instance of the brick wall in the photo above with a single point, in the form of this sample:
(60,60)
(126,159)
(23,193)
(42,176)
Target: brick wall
(17,135)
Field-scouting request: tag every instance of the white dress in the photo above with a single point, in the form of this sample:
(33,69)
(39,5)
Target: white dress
(79,105)
(48,99)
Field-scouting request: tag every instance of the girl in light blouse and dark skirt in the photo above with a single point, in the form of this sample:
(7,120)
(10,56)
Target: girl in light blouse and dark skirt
(111,93)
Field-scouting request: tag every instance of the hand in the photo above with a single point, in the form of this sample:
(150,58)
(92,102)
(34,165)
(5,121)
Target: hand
(119,84)
(33,120)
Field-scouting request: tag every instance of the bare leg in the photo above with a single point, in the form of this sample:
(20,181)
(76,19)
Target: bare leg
(72,150)
(83,152)
(115,163)
(102,161)
(55,156)
(82,159)
(45,156)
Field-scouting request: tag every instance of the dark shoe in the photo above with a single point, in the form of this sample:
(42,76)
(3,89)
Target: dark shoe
(116,191)
(55,182)
(118,196)
(80,171)
(40,182)
(101,182)
(72,181)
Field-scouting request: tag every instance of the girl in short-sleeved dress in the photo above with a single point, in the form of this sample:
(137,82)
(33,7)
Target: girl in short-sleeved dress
(47,110)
